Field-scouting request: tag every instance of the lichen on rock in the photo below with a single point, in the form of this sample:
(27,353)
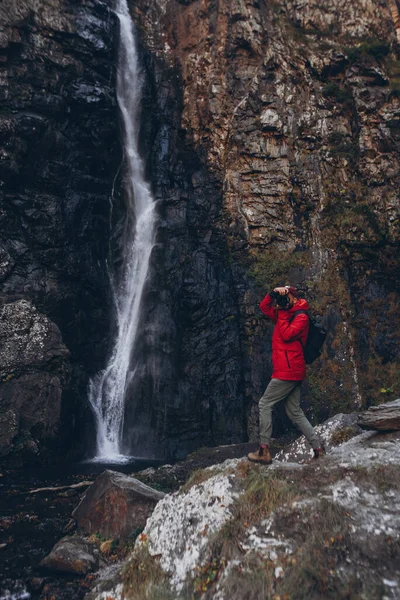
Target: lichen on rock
(180,525)
(283,526)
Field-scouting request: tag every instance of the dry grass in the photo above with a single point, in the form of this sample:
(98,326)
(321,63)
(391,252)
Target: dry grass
(263,493)
(383,477)
(253,579)
(343,435)
(312,572)
(144,579)
(107,547)
(243,469)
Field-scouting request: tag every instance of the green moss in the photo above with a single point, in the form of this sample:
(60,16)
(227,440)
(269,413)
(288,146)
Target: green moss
(350,216)
(270,268)
(373,48)
(342,95)
(316,396)
(393,70)
(343,147)
(378,375)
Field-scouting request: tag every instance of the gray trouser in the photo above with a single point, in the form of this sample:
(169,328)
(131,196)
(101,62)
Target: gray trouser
(289,391)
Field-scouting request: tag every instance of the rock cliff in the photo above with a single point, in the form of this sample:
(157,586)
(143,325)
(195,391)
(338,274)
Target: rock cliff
(270,133)
(59,157)
(289,113)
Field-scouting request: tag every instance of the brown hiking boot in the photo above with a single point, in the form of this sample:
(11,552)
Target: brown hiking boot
(318,452)
(261,456)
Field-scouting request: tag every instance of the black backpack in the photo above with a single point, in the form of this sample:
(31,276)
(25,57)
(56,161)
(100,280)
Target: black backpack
(316,337)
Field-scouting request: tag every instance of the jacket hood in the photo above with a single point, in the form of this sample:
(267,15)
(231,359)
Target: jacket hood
(301,304)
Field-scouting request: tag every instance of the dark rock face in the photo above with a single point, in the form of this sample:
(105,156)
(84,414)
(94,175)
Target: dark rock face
(115,505)
(270,134)
(59,156)
(34,371)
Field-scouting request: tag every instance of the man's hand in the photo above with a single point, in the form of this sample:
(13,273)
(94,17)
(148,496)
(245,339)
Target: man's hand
(281,290)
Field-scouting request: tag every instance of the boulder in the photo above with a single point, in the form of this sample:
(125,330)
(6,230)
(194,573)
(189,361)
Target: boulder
(28,339)
(332,432)
(116,505)
(34,368)
(385,417)
(71,555)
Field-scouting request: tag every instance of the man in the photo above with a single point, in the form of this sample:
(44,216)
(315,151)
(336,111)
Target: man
(289,368)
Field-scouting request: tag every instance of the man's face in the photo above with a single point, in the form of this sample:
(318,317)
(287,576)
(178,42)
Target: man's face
(292,300)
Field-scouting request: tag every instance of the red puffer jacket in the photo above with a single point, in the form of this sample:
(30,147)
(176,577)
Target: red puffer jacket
(287,351)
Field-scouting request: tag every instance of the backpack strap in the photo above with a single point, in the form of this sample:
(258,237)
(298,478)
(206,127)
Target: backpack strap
(298,312)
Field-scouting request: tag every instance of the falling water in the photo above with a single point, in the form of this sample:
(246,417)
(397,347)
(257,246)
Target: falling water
(108,389)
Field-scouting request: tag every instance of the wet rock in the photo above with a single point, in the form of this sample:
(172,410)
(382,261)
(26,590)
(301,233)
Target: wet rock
(8,429)
(107,584)
(116,505)
(15,589)
(71,555)
(6,263)
(27,338)
(385,417)
(35,584)
(289,206)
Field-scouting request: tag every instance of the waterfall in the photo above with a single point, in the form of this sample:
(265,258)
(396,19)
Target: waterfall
(108,388)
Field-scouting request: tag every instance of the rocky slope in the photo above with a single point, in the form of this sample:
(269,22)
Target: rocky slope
(297,529)
(270,133)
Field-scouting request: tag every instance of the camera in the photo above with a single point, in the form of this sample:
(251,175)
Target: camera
(281,301)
